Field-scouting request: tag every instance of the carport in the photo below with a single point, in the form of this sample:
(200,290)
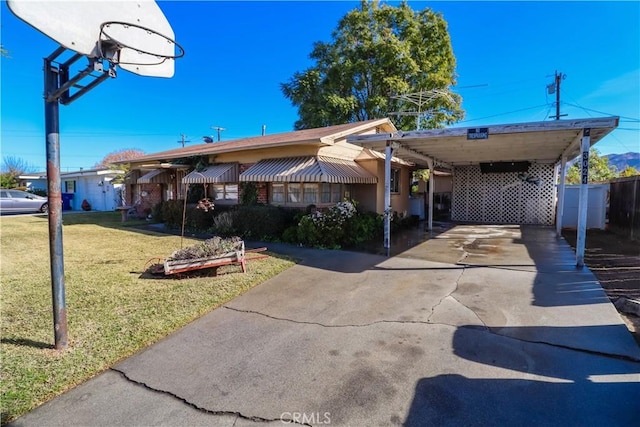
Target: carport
(502,174)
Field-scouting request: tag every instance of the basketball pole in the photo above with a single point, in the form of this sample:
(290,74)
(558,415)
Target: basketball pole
(52,131)
(57,85)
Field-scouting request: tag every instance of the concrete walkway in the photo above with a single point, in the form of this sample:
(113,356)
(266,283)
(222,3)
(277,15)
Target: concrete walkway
(480,325)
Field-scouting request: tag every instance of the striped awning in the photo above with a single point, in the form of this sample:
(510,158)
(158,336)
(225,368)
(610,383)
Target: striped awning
(156,176)
(308,169)
(224,172)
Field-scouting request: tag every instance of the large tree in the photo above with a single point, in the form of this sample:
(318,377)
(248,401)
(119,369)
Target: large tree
(599,169)
(379,53)
(118,156)
(11,168)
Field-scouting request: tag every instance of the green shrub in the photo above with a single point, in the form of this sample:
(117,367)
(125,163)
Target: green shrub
(262,222)
(327,228)
(156,212)
(290,234)
(223,223)
(171,213)
(248,194)
(363,227)
(199,219)
(339,226)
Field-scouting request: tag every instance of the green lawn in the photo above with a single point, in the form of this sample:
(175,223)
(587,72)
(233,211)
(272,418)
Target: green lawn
(112,312)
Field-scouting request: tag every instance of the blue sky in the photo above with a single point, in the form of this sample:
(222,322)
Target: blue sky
(238,53)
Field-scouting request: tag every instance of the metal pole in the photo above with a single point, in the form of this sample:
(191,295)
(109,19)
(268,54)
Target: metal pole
(558,95)
(432,184)
(387,196)
(584,198)
(52,129)
(561,195)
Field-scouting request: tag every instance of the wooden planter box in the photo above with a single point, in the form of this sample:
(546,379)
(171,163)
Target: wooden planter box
(184,265)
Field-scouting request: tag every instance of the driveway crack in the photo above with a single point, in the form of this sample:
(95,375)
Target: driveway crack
(450,294)
(455,288)
(324,325)
(205,410)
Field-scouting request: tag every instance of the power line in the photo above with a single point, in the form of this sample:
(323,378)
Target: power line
(504,114)
(602,112)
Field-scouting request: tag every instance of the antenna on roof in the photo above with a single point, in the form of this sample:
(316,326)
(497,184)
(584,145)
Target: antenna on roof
(264,130)
(219,129)
(420,98)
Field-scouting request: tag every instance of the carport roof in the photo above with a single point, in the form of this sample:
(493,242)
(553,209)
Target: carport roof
(542,142)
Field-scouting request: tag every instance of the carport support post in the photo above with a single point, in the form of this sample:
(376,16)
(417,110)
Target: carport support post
(584,196)
(387,196)
(561,194)
(432,184)
(52,130)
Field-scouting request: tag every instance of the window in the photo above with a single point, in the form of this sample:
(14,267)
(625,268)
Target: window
(69,186)
(225,191)
(336,193)
(231,192)
(310,193)
(293,193)
(302,194)
(325,193)
(395,180)
(277,193)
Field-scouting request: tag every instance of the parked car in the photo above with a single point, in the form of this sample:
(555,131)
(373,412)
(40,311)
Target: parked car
(21,201)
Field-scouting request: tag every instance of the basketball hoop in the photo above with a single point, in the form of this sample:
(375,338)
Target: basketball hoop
(133,44)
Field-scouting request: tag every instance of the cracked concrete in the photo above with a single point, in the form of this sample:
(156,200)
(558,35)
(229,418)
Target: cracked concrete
(516,335)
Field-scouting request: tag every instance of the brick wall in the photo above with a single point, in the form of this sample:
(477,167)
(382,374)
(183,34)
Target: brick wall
(154,196)
(262,187)
(245,166)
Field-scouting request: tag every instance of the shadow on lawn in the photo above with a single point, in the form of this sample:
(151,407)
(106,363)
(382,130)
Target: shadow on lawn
(25,342)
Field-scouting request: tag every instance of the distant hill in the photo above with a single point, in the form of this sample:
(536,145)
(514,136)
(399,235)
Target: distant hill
(621,161)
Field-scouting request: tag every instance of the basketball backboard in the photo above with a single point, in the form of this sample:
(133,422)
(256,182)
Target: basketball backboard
(134,34)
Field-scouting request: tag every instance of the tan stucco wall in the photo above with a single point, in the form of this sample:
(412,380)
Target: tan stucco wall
(253,156)
(399,201)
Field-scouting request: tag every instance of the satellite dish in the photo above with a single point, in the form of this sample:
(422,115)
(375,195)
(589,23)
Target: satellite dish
(207,139)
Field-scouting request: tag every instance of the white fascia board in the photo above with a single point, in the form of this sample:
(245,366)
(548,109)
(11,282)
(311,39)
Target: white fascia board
(603,122)
(354,139)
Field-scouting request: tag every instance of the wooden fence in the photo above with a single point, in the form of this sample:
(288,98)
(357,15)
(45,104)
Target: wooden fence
(624,206)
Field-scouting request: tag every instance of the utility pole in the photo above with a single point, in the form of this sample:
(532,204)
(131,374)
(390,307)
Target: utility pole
(183,139)
(219,129)
(555,87)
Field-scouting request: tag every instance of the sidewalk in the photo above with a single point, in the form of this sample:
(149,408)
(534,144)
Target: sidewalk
(479,326)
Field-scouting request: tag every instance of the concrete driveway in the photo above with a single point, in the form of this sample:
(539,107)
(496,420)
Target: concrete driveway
(479,325)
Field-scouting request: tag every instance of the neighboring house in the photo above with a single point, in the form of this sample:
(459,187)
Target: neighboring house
(93,185)
(294,169)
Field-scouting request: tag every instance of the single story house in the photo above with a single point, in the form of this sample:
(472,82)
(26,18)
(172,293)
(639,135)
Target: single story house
(498,174)
(293,169)
(93,185)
